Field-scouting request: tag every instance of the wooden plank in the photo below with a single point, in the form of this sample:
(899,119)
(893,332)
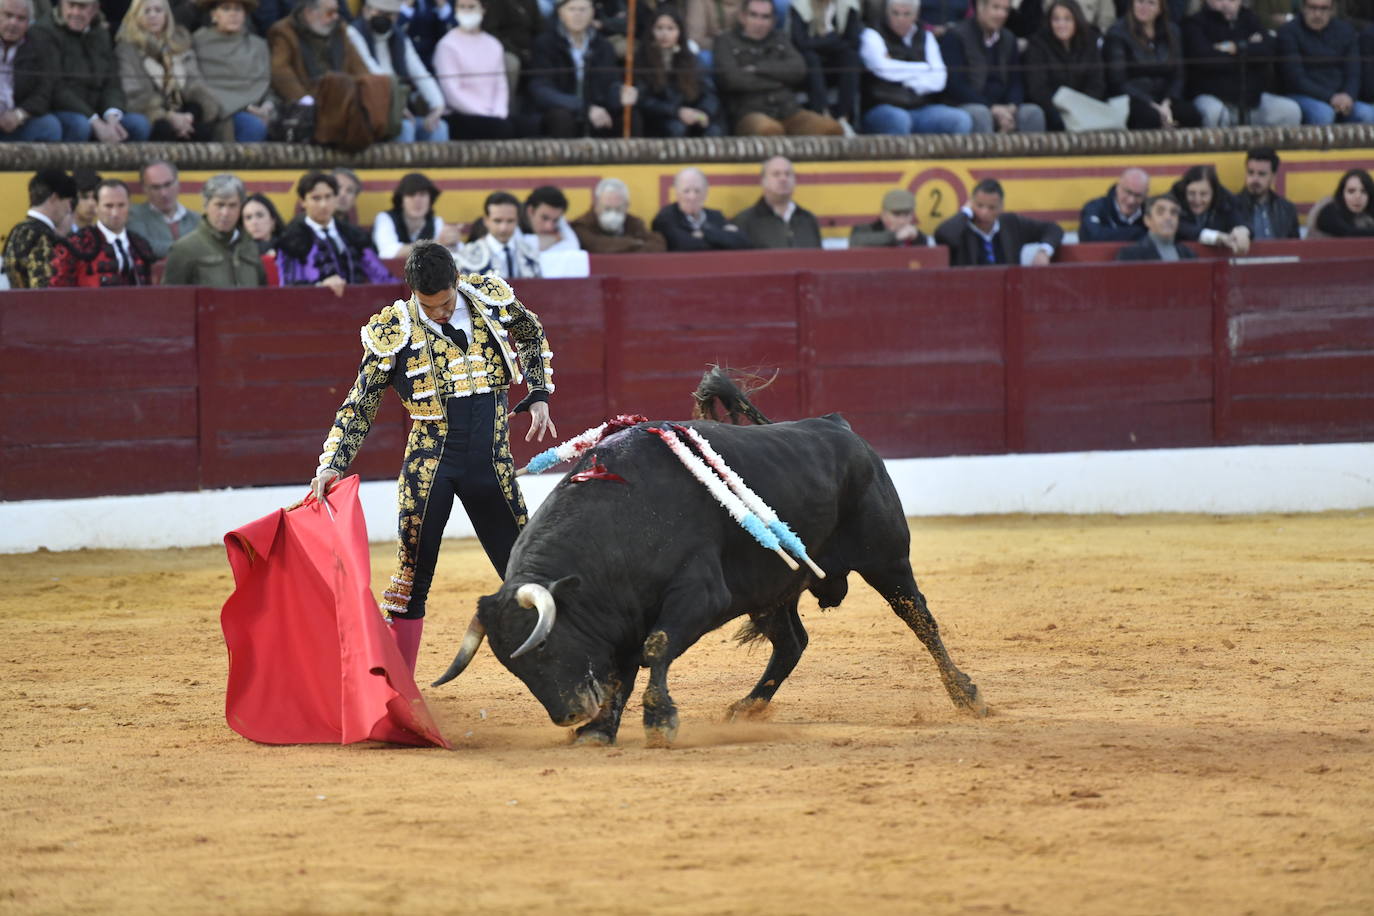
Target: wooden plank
(919,434)
(1313,375)
(1114,380)
(950,386)
(1303,418)
(113,469)
(97,417)
(1108,427)
(1341,328)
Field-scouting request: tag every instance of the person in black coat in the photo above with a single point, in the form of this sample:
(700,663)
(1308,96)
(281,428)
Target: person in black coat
(676,96)
(1161,218)
(983,234)
(571,107)
(1259,207)
(1063,53)
(1351,211)
(1228,56)
(831,54)
(1209,215)
(1144,58)
(688,225)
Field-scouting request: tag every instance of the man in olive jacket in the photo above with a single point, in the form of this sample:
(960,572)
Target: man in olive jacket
(217,252)
(775,220)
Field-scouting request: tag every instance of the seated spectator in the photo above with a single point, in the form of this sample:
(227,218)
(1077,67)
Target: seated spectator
(1098,14)
(543,221)
(985,72)
(1063,53)
(236,67)
(25,90)
(514,23)
(575,80)
(161,219)
(87,97)
(217,253)
(939,16)
(384,46)
(108,253)
(1144,58)
(350,186)
(1160,243)
(688,225)
(83,215)
(826,32)
(1320,63)
(1367,65)
(318,250)
(983,233)
(503,250)
(470,66)
(703,20)
(1118,216)
(263,225)
(31,246)
(775,220)
(1219,42)
(305,46)
(759,73)
(904,76)
(895,227)
(1207,215)
(161,79)
(1259,207)
(676,97)
(1349,213)
(411,218)
(426,22)
(609,227)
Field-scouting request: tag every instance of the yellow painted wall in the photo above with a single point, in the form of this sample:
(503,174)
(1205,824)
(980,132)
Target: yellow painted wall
(840,193)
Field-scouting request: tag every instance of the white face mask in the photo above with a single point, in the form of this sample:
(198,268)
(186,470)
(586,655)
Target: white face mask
(469,21)
(611,220)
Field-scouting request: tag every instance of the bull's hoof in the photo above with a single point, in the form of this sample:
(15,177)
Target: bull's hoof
(660,736)
(972,702)
(749,708)
(584,738)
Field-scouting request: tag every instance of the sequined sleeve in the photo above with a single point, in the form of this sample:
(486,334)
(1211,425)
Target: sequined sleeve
(536,359)
(383,336)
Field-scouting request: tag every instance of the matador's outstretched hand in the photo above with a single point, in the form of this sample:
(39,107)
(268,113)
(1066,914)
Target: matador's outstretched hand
(540,422)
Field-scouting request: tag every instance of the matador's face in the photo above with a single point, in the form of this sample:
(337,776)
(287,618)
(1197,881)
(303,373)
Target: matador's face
(438,306)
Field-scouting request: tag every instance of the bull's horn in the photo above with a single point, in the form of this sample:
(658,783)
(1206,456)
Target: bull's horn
(536,596)
(472,641)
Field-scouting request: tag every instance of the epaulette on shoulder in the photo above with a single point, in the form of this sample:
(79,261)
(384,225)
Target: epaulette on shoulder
(387,331)
(487,289)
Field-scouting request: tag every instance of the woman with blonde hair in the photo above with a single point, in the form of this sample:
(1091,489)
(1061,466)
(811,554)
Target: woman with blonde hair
(161,78)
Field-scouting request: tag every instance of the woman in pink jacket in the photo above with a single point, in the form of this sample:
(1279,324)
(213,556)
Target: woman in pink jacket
(470,66)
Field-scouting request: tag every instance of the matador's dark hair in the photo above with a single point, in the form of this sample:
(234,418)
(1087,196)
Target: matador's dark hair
(47,182)
(430,268)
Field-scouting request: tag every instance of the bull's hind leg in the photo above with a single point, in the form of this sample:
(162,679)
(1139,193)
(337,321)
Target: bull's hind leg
(897,585)
(783,628)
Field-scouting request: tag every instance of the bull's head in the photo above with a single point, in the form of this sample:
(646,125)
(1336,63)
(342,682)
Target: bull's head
(560,666)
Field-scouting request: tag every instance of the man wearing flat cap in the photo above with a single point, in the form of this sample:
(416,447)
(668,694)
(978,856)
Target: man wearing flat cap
(895,227)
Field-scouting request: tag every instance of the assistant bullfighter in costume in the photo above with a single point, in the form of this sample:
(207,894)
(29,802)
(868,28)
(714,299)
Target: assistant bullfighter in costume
(451,354)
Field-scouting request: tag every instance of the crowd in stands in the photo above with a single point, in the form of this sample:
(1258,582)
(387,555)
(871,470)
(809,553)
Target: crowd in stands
(83,231)
(352,72)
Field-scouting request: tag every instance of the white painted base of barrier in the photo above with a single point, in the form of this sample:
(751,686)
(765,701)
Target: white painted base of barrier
(1276,478)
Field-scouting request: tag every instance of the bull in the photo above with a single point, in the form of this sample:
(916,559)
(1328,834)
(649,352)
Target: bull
(610,577)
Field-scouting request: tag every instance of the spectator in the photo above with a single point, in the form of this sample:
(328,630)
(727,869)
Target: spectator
(1367,65)
(108,253)
(411,218)
(609,228)
(161,219)
(545,222)
(426,22)
(503,251)
(1161,243)
(86,94)
(25,90)
(688,225)
(1349,212)
(32,244)
(1319,59)
(983,233)
(87,180)
(514,23)
(161,79)
(1228,55)
(470,66)
(1063,53)
(904,76)
(1259,207)
(305,46)
(263,225)
(1098,14)
(1207,215)
(985,72)
(827,34)
(236,67)
(217,253)
(386,49)
(676,97)
(776,221)
(317,249)
(939,16)
(1118,216)
(576,81)
(759,73)
(350,186)
(1144,59)
(895,227)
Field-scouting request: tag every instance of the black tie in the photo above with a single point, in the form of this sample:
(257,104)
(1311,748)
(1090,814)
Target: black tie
(510,265)
(126,264)
(456,335)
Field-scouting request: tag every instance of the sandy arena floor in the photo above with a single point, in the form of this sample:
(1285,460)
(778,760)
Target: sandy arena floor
(1181,724)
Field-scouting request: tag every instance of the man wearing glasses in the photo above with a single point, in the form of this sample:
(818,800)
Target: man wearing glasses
(1117,217)
(1319,57)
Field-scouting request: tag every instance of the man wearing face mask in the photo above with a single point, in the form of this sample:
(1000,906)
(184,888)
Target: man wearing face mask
(608,227)
(385,47)
(305,46)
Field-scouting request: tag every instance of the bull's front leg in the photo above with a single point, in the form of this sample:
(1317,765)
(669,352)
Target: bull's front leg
(602,730)
(660,713)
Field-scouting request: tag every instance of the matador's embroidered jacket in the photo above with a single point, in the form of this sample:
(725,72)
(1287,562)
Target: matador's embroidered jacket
(29,254)
(405,350)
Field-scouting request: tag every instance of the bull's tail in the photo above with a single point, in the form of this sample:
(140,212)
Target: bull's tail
(717,387)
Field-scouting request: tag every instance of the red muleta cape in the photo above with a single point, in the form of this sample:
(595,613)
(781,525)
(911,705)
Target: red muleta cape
(311,661)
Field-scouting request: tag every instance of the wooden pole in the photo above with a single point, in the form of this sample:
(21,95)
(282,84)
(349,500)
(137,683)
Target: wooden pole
(628,110)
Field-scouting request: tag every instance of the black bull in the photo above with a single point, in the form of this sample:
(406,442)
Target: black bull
(634,573)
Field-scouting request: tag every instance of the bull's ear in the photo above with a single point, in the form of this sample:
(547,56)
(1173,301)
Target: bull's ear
(564,586)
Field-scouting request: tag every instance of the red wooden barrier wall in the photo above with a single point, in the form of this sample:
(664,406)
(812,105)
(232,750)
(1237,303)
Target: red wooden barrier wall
(178,389)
